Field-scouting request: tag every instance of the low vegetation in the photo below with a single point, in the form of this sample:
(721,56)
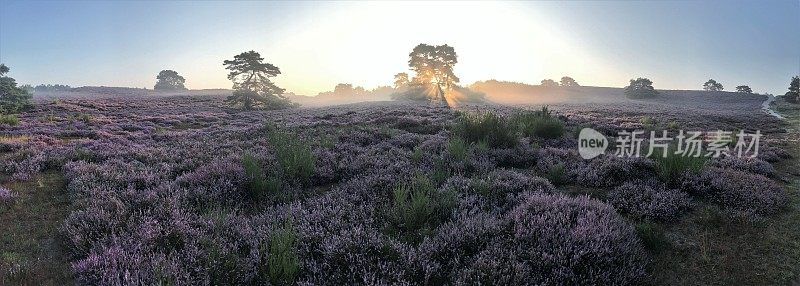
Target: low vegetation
(400,193)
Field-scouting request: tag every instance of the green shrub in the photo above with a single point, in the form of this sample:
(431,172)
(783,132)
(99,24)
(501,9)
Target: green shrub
(260,186)
(673,125)
(672,167)
(557,175)
(9,119)
(492,129)
(458,149)
(648,123)
(539,124)
(282,262)
(417,155)
(652,236)
(418,205)
(294,157)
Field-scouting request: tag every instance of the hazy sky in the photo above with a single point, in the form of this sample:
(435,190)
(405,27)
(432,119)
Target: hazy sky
(677,44)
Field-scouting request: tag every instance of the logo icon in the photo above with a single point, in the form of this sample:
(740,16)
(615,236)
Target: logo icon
(591,143)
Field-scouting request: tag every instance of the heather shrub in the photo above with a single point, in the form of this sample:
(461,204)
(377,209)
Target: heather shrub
(609,171)
(6,195)
(539,124)
(497,191)
(9,119)
(419,206)
(738,191)
(649,202)
(745,164)
(546,239)
(494,130)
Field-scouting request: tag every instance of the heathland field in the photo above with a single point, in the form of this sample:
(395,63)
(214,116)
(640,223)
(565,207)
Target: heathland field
(106,188)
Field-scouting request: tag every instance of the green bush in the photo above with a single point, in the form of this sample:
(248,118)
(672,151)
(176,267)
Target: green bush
(557,174)
(9,119)
(294,157)
(260,185)
(282,263)
(672,167)
(418,205)
(539,124)
(458,149)
(648,123)
(652,235)
(487,127)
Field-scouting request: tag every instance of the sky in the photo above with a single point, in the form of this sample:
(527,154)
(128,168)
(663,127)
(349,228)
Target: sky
(317,44)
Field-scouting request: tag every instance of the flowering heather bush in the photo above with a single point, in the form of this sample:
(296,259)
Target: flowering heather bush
(547,239)
(609,171)
(751,165)
(738,191)
(650,202)
(6,195)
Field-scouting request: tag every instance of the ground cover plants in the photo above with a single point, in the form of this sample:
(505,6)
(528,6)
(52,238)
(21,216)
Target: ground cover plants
(184,190)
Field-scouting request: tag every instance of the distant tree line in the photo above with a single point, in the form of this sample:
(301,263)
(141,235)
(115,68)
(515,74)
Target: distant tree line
(565,82)
(45,87)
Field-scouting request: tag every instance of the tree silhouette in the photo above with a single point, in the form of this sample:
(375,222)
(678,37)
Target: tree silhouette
(433,66)
(640,88)
(568,81)
(169,80)
(712,85)
(401,80)
(251,84)
(549,83)
(794,90)
(12,98)
(744,89)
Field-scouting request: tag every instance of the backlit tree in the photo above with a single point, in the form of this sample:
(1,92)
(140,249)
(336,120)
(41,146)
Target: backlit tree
(712,85)
(744,89)
(433,67)
(640,88)
(568,81)
(401,80)
(169,80)
(251,84)
(549,83)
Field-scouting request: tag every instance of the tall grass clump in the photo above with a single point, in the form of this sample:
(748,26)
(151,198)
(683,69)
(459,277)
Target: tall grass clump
(557,174)
(458,149)
(419,206)
(492,129)
(672,167)
(9,119)
(282,262)
(260,185)
(539,124)
(294,157)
